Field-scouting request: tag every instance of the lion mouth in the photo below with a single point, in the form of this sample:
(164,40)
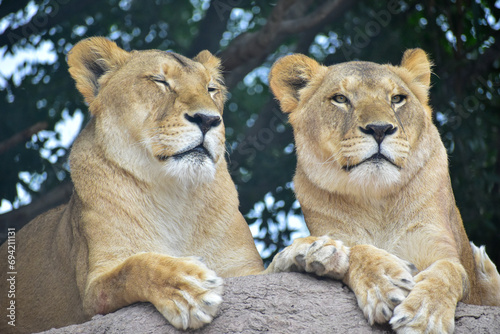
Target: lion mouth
(197,152)
(377,158)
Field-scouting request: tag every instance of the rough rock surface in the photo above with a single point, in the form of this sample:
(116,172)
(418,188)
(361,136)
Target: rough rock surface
(278,303)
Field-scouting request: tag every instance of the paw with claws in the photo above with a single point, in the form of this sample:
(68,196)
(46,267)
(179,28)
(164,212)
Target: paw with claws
(430,307)
(380,281)
(182,289)
(419,314)
(186,292)
(321,256)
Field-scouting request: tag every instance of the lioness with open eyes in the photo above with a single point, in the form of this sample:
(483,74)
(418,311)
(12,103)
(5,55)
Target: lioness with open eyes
(372,174)
(152,195)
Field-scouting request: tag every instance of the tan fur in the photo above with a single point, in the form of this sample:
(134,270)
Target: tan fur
(372,174)
(139,218)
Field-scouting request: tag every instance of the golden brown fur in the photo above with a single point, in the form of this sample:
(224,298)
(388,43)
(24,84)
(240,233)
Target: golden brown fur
(152,195)
(372,174)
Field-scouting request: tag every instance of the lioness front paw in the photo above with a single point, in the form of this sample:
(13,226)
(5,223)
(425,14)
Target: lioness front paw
(322,256)
(427,309)
(410,318)
(380,281)
(194,296)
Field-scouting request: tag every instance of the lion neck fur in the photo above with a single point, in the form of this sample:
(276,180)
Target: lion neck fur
(157,203)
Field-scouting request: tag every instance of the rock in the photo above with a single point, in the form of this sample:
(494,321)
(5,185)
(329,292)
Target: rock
(278,303)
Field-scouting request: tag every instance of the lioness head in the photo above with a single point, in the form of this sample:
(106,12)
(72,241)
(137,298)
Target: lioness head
(154,110)
(358,126)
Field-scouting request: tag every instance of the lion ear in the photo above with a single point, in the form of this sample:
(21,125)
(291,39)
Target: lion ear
(419,65)
(90,59)
(208,60)
(212,64)
(288,76)
(214,67)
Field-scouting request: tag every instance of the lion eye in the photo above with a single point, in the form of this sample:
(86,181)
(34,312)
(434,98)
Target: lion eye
(212,91)
(161,80)
(339,98)
(397,99)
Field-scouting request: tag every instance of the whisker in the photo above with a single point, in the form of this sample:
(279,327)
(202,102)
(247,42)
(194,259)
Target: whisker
(228,154)
(332,158)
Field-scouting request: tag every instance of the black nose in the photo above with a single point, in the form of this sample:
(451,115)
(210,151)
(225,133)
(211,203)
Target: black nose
(205,122)
(379,131)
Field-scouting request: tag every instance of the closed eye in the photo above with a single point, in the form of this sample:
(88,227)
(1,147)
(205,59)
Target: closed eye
(161,80)
(212,91)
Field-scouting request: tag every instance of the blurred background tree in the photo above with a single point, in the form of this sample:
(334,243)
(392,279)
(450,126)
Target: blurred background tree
(41,111)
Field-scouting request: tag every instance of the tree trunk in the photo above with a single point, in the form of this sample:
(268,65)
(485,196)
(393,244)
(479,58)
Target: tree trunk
(279,303)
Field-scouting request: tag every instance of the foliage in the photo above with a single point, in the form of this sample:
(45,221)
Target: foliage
(461,36)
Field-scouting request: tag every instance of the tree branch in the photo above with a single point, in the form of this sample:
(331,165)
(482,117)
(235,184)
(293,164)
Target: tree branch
(22,136)
(315,18)
(20,217)
(250,49)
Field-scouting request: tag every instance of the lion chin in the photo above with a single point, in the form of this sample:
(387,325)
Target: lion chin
(193,165)
(373,178)
(191,169)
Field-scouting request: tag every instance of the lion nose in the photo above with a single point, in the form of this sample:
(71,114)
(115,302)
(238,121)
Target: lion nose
(205,122)
(379,131)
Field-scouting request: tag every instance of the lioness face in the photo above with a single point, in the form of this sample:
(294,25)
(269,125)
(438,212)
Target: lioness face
(165,109)
(351,123)
(183,126)
(361,131)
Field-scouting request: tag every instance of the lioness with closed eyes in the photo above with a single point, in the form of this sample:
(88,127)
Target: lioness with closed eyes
(152,197)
